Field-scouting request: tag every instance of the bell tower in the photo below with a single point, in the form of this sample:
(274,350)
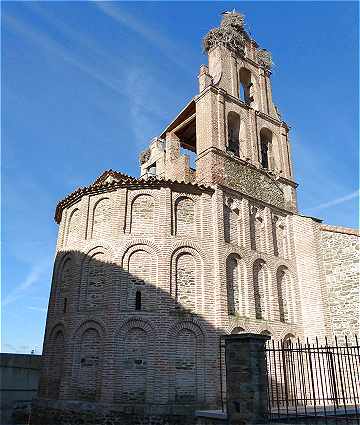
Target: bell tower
(241,140)
(232,130)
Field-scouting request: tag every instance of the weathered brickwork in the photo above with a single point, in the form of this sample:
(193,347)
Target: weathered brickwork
(186,281)
(142,215)
(340,256)
(150,272)
(185,216)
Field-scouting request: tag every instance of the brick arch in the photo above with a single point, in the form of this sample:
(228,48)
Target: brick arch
(138,245)
(262,280)
(103,226)
(64,284)
(88,360)
(139,274)
(238,291)
(237,330)
(136,322)
(134,341)
(94,278)
(55,361)
(47,373)
(126,247)
(192,324)
(185,216)
(99,325)
(178,245)
(232,324)
(284,263)
(144,224)
(186,340)
(104,247)
(289,335)
(187,278)
(287,295)
(72,233)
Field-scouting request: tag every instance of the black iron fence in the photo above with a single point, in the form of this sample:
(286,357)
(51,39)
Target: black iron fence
(312,380)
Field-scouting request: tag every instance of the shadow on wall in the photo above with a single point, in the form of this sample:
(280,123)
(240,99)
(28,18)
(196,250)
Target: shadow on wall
(132,336)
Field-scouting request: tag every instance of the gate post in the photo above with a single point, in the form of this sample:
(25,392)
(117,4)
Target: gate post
(246,378)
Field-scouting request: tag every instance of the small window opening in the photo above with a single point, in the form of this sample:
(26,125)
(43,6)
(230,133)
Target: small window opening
(233,133)
(264,154)
(192,157)
(152,169)
(245,85)
(65,305)
(138,300)
(265,147)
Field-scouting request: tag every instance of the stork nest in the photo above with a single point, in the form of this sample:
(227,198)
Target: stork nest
(229,34)
(264,58)
(144,156)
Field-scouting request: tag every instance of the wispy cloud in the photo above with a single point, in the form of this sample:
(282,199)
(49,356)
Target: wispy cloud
(117,85)
(33,277)
(337,201)
(40,309)
(153,36)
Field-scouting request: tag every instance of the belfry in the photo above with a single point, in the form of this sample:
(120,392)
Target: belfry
(151,271)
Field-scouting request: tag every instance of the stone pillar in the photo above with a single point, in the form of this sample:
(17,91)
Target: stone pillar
(246,379)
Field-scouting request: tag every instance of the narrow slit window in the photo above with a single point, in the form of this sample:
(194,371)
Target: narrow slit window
(266,138)
(65,305)
(138,300)
(264,154)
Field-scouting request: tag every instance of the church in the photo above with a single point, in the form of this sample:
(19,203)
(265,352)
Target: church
(207,241)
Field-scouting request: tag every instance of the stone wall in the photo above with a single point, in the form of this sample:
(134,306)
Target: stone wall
(340,256)
(18,385)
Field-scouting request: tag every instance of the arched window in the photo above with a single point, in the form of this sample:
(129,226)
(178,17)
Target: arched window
(235,280)
(233,133)
(138,300)
(265,332)
(261,290)
(237,330)
(265,148)
(288,341)
(65,305)
(245,85)
(286,295)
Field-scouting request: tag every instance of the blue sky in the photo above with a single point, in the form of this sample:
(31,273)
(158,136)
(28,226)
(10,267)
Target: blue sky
(85,86)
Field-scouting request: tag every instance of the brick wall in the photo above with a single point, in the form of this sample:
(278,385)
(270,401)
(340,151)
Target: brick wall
(201,270)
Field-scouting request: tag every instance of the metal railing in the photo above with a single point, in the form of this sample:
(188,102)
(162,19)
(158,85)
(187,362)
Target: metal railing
(314,380)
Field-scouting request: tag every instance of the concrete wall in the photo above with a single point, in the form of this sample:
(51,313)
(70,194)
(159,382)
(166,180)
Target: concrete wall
(19,384)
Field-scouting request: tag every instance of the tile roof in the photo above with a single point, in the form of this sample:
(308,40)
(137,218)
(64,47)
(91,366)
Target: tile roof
(111,180)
